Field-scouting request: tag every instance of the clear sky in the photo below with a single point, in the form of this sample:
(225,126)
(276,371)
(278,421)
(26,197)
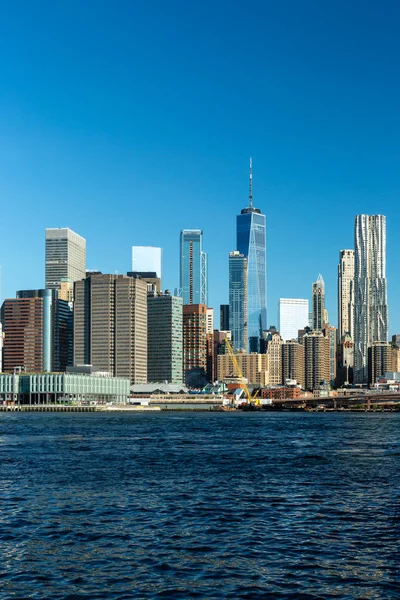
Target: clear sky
(128,121)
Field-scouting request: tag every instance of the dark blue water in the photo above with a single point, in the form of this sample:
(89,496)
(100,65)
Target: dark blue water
(203,505)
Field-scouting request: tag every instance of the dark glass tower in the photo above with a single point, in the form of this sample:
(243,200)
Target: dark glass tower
(251,242)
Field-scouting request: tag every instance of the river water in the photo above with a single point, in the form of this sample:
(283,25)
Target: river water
(199,505)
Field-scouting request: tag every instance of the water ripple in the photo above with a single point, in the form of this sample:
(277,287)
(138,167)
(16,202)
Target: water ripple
(199,506)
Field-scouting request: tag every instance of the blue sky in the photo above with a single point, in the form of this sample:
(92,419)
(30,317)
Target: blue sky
(128,121)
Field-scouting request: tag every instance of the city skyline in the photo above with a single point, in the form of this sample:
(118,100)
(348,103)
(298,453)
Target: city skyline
(334,321)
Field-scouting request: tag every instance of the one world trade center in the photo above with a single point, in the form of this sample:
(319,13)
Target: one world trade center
(251,241)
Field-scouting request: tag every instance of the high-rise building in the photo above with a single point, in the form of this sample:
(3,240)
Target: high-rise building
(193,268)
(318,304)
(292,316)
(147,265)
(345,293)
(195,344)
(38,330)
(316,359)
(345,361)
(65,257)
(251,242)
(164,338)
(370,290)
(210,321)
(274,351)
(147,259)
(380,360)
(330,332)
(238,300)
(224,317)
(110,325)
(293,362)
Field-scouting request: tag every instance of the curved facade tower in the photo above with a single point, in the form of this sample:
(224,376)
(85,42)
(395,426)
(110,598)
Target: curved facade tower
(251,242)
(370,289)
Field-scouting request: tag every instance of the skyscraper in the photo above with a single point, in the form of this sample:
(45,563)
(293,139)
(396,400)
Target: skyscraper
(193,268)
(195,344)
(38,331)
(110,325)
(224,317)
(164,335)
(293,362)
(210,321)
(345,293)
(316,359)
(238,300)
(318,304)
(292,316)
(370,289)
(147,259)
(251,242)
(65,257)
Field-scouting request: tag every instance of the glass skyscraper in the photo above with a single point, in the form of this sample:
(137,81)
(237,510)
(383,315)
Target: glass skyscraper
(193,268)
(238,300)
(251,242)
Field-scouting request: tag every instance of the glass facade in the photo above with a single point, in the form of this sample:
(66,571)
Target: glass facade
(237,300)
(251,242)
(193,268)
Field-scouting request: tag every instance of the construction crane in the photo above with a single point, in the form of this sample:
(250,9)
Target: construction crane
(250,398)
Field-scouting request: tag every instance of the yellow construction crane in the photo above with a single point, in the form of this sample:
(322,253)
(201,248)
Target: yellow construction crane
(239,374)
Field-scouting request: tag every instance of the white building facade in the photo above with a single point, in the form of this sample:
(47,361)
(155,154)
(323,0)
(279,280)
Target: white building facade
(345,293)
(147,259)
(292,316)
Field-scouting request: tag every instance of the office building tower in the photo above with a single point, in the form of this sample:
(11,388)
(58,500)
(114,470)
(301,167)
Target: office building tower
(292,316)
(251,242)
(210,321)
(110,325)
(147,265)
(195,344)
(274,351)
(153,283)
(345,361)
(316,359)
(224,317)
(38,330)
(65,257)
(330,332)
(293,362)
(220,346)
(193,268)
(210,359)
(238,300)
(318,304)
(370,290)
(345,293)
(147,259)
(380,360)
(164,338)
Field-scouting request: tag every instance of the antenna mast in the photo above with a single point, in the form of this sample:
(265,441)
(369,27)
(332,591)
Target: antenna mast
(251,184)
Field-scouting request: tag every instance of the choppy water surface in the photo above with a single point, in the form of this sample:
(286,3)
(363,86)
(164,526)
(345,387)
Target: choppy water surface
(203,505)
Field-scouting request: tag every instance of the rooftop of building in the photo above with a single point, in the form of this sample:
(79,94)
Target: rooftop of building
(158,388)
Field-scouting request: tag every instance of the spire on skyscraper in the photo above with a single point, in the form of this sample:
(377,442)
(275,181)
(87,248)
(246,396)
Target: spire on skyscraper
(251,184)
